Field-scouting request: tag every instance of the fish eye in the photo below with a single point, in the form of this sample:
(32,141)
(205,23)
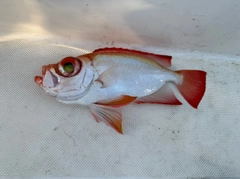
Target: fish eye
(68,67)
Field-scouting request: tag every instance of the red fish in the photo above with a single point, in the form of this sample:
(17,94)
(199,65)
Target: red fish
(110,78)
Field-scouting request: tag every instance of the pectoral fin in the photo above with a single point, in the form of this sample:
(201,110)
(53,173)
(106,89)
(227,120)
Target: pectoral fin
(108,77)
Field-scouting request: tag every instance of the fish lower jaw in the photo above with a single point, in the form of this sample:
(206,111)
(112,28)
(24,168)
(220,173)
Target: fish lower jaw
(39,80)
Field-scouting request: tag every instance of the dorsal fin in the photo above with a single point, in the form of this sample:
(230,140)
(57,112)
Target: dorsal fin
(163,60)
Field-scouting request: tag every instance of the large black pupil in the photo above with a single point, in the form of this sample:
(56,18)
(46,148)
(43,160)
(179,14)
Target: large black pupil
(68,67)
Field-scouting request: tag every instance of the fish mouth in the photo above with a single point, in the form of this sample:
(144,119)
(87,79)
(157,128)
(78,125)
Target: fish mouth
(39,79)
(46,73)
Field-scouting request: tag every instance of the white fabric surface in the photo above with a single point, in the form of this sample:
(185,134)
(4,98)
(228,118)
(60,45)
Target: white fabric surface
(41,137)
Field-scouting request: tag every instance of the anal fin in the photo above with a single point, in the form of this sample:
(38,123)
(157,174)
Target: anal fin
(164,95)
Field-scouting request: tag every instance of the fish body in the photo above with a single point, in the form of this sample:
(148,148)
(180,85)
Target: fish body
(110,78)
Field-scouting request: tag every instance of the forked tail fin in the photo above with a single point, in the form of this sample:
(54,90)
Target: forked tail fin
(192,86)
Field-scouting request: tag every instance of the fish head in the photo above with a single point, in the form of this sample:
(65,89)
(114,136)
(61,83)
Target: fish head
(69,80)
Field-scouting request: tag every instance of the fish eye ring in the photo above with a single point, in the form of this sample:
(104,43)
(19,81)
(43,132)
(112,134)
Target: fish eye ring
(69,66)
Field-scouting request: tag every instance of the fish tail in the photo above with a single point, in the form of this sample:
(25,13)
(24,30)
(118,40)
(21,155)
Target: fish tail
(192,85)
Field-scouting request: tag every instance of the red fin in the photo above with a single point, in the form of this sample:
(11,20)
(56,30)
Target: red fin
(110,115)
(192,86)
(163,60)
(163,96)
(119,102)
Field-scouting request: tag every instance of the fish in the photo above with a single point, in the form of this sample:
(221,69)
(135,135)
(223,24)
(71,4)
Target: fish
(108,79)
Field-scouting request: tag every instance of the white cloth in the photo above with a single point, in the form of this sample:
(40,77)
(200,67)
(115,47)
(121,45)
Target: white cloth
(42,137)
